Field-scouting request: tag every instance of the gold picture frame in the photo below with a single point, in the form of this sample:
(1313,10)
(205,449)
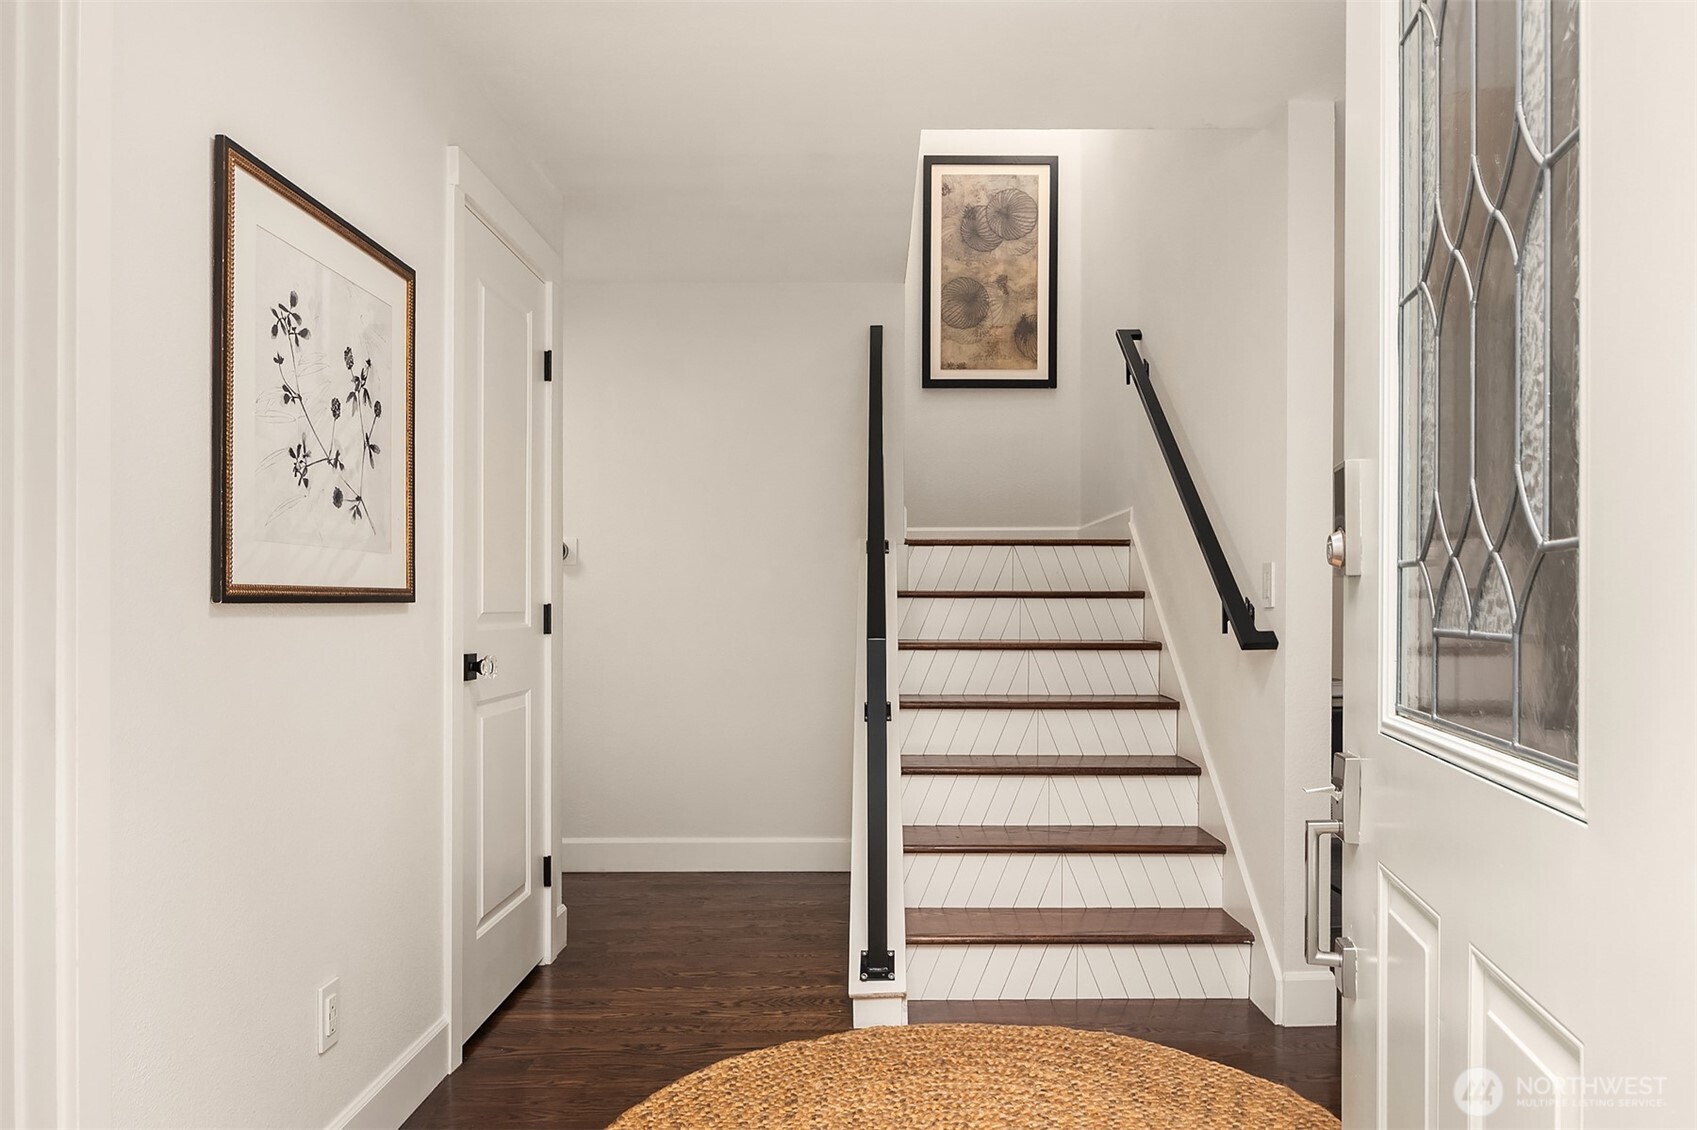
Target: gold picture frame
(312,379)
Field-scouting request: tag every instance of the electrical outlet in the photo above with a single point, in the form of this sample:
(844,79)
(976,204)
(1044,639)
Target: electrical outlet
(329,1014)
(1269,579)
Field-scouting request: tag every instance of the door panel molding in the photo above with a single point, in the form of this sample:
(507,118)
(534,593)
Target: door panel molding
(1535,1059)
(1409,965)
(510,882)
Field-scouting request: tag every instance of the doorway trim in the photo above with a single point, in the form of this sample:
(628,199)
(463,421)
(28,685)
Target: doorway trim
(469,189)
(55,575)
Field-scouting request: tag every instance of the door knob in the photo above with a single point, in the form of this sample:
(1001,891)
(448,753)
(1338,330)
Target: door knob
(1335,548)
(478,666)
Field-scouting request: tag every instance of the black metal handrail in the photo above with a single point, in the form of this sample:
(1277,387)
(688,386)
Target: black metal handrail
(1237,609)
(877,960)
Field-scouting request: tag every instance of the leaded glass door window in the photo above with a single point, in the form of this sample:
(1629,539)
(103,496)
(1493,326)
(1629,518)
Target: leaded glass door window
(1489,539)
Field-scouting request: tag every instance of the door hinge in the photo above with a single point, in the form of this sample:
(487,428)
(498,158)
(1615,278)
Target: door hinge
(547,871)
(547,619)
(866,712)
(548,364)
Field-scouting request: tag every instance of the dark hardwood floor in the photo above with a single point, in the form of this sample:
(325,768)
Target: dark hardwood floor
(667,973)
(662,975)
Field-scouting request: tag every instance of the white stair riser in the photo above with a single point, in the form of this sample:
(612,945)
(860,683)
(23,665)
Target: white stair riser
(1064,800)
(936,879)
(1030,672)
(924,730)
(1020,618)
(985,568)
(1078,972)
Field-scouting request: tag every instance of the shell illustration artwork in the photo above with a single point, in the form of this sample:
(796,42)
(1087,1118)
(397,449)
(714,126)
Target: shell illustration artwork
(1025,337)
(988,278)
(975,229)
(965,303)
(1011,214)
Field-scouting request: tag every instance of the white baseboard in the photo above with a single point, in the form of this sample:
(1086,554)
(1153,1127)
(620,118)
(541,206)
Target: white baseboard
(880,1012)
(1263,980)
(739,853)
(1309,999)
(993,533)
(404,1084)
(1109,525)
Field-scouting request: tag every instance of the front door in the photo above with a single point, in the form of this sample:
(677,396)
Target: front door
(1521,598)
(498,529)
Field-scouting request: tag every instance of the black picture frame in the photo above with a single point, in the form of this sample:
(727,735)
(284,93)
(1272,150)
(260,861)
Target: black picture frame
(1048,305)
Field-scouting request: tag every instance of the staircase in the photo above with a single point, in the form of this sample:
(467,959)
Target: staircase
(1050,843)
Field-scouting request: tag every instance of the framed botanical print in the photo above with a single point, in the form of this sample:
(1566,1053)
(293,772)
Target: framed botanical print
(312,397)
(989,263)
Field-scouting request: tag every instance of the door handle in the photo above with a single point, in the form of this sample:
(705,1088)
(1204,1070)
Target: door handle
(1342,956)
(478,666)
(1314,832)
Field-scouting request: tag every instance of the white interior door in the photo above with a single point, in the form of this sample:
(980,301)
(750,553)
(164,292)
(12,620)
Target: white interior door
(499,529)
(1520,670)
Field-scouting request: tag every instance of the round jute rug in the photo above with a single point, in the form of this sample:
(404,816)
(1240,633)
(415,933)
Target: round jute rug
(937,1076)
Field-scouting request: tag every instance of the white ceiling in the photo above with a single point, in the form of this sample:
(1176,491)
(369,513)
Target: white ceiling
(706,140)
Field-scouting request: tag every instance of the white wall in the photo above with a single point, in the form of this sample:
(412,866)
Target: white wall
(1005,457)
(715,474)
(275,772)
(1217,244)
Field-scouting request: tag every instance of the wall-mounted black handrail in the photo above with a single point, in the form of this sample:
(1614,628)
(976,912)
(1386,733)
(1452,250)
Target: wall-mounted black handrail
(1238,610)
(877,960)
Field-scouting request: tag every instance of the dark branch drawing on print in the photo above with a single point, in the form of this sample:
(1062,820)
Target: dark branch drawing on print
(322,479)
(989,271)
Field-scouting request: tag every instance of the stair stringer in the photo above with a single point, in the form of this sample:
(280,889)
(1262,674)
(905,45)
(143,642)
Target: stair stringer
(1213,814)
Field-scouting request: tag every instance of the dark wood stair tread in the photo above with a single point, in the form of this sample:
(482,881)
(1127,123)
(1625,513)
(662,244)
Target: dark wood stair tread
(1029,594)
(1121,542)
(1049,839)
(957,926)
(1039,702)
(1029,645)
(1047,765)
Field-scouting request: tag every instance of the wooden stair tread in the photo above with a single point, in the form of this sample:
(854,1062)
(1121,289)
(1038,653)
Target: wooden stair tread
(1076,926)
(1029,645)
(1120,542)
(1047,765)
(1038,702)
(1050,839)
(1028,594)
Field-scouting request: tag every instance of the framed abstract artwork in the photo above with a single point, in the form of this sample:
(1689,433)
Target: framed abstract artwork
(312,398)
(988,244)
